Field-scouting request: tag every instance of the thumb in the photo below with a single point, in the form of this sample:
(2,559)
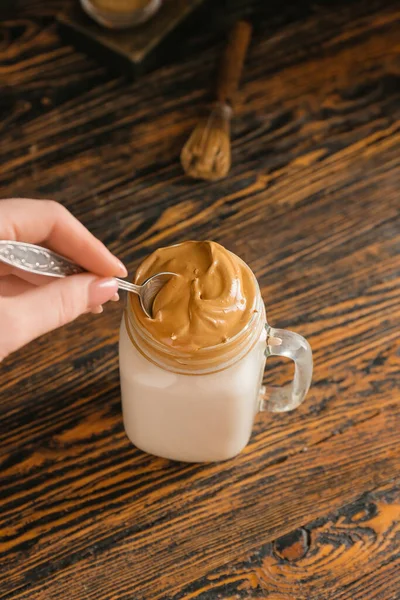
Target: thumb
(42,309)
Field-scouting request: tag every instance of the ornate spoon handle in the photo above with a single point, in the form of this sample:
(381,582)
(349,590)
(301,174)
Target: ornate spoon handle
(36,259)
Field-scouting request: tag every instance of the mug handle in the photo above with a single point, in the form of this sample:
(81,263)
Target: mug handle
(281,342)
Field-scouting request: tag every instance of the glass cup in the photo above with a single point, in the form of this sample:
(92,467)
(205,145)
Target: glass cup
(202,408)
(120,14)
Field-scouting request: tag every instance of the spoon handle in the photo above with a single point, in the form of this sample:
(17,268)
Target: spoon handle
(41,261)
(36,259)
(129,287)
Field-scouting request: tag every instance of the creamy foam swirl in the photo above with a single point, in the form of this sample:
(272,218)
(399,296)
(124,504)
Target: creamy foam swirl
(210,301)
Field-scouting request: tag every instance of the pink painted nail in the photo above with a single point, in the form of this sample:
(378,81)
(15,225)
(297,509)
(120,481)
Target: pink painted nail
(102,290)
(122,270)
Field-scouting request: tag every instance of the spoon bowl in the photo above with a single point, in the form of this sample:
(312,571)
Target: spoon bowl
(148,291)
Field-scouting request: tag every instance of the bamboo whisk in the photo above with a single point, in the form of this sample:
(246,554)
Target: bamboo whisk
(207,153)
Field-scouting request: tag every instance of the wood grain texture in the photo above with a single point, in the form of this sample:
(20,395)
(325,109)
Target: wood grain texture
(310,509)
(351,554)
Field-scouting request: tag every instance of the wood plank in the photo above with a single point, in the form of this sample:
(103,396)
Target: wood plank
(144,509)
(351,554)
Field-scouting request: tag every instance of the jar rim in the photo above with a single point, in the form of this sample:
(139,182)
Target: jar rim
(178,361)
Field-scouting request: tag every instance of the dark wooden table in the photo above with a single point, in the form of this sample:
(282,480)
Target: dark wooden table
(311,509)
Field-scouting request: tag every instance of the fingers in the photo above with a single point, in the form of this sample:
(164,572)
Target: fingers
(38,221)
(13,286)
(44,308)
(6,270)
(30,277)
(97,310)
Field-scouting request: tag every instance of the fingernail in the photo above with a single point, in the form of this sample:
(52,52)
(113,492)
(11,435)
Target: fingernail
(102,290)
(115,298)
(122,270)
(97,310)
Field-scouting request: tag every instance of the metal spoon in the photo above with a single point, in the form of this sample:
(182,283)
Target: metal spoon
(41,261)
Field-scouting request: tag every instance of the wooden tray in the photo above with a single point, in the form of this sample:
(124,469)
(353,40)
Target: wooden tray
(136,50)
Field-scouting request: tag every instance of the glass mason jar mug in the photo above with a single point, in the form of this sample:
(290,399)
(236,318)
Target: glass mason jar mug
(202,408)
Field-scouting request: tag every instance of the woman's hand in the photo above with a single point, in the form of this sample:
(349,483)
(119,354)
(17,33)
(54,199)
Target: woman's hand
(31,305)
